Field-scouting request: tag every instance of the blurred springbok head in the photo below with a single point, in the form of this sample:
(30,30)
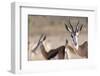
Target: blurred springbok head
(40,42)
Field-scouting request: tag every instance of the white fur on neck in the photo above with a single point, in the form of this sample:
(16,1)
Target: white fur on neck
(76,46)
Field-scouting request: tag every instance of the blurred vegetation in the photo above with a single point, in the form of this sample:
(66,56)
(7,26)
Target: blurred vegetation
(52,24)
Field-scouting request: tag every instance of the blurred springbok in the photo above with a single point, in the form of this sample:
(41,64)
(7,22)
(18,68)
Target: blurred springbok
(80,51)
(60,51)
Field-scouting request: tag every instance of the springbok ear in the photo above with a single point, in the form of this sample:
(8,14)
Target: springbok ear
(81,27)
(68,29)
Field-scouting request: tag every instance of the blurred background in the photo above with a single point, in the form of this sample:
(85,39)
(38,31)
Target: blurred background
(54,27)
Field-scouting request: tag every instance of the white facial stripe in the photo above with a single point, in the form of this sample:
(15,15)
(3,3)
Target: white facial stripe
(76,46)
(77,33)
(75,41)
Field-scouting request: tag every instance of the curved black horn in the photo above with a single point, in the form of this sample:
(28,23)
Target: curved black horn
(77,26)
(81,27)
(71,25)
(67,27)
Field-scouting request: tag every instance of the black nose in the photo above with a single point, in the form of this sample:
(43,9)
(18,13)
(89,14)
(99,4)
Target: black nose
(75,44)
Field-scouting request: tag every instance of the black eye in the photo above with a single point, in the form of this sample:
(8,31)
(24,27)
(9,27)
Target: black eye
(72,36)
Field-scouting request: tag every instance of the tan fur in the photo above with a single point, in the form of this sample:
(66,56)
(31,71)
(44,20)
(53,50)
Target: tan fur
(77,53)
(71,49)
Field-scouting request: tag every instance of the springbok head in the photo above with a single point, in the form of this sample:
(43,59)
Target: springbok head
(74,32)
(41,40)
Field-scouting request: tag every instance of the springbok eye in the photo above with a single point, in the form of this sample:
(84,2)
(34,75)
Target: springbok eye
(72,36)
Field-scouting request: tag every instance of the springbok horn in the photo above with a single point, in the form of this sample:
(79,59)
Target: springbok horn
(81,27)
(67,27)
(37,44)
(71,25)
(77,26)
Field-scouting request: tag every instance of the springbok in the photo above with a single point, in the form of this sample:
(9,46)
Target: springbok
(60,51)
(80,51)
